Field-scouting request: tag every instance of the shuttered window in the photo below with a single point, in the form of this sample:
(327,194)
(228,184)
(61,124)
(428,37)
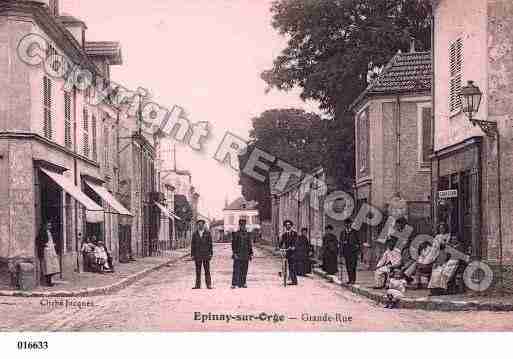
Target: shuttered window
(95,137)
(363,142)
(455,70)
(106,145)
(425,138)
(47,108)
(68,142)
(85,129)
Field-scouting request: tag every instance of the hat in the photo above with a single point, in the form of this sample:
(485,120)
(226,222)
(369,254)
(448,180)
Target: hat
(288,221)
(401,220)
(242,220)
(329,227)
(200,221)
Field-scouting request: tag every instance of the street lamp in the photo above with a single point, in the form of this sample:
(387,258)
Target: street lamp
(471,100)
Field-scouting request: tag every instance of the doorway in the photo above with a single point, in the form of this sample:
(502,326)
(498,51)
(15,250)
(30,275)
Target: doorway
(52,211)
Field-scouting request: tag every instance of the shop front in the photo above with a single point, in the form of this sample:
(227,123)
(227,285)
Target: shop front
(457,177)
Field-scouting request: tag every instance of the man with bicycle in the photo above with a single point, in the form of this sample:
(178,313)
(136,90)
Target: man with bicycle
(288,243)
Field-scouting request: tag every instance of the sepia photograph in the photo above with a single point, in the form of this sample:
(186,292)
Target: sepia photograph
(261,166)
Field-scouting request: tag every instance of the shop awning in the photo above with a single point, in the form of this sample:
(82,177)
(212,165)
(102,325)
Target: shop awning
(163,210)
(94,212)
(109,198)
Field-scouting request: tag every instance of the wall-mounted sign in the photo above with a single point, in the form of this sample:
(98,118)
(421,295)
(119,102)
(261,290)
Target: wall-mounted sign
(451,193)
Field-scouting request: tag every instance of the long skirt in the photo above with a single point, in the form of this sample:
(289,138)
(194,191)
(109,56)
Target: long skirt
(330,264)
(50,262)
(442,275)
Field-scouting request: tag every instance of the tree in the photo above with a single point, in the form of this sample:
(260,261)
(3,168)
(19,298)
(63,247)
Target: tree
(333,43)
(291,135)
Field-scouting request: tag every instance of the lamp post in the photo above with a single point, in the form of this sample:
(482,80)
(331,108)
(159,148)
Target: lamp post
(471,100)
(471,97)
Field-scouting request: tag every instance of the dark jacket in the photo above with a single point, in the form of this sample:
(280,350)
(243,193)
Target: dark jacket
(349,243)
(201,247)
(242,246)
(288,241)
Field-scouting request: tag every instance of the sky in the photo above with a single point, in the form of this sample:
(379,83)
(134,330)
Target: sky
(203,55)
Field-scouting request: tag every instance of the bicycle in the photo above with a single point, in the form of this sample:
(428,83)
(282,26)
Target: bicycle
(284,266)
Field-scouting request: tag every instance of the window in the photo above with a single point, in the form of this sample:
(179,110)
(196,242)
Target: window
(85,123)
(67,121)
(363,142)
(47,108)
(455,71)
(256,220)
(425,138)
(95,137)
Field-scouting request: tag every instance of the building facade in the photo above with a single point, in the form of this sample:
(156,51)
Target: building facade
(471,171)
(241,209)
(393,145)
(51,139)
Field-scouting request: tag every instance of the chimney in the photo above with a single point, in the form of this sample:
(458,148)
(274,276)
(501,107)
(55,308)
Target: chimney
(54,7)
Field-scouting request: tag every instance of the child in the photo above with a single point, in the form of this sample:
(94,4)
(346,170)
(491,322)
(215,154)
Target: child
(396,288)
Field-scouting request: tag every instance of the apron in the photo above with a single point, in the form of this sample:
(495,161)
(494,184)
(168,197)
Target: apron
(50,264)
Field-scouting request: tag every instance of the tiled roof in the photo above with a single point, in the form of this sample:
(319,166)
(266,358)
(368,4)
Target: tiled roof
(241,204)
(405,73)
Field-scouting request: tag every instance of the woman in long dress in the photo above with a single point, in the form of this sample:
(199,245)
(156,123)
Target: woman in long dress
(330,251)
(302,253)
(47,254)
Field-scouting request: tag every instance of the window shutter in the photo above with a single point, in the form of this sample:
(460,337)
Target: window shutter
(86,132)
(67,120)
(455,69)
(363,141)
(426,136)
(47,108)
(106,145)
(94,135)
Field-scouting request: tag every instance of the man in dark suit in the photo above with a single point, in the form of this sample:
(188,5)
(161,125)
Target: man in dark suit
(202,252)
(288,242)
(242,249)
(350,248)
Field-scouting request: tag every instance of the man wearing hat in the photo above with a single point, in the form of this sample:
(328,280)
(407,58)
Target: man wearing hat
(202,252)
(350,249)
(242,249)
(288,242)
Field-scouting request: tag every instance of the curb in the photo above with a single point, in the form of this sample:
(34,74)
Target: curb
(425,303)
(91,292)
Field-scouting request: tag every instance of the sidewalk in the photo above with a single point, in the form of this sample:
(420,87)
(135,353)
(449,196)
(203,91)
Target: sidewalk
(93,284)
(418,298)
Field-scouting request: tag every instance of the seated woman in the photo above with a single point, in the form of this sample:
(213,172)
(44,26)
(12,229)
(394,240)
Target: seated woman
(103,258)
(87,251)
(444,270)
(390,260)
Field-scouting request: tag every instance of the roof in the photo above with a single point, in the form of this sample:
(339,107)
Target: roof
(405,73)
(71,20)
(240,204)
(107,49)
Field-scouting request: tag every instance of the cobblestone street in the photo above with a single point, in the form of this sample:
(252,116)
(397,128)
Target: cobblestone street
(164,301)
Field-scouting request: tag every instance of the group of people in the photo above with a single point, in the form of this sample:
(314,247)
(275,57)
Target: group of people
(202,253)
(398,269)
(95,256)
(346,246)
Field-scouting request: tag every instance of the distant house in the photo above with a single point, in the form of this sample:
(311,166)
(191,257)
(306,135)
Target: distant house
(241,209)
(393,123)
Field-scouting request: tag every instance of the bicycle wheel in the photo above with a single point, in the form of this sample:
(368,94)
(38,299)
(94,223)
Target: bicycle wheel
(285,272)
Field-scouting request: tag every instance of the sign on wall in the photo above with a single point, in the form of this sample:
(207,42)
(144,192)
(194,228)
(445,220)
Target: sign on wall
(451,193)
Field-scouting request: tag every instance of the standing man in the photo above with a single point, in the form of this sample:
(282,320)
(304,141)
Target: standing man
(288,242)
(350,248)
(242,249)
(202,252)
(330,251)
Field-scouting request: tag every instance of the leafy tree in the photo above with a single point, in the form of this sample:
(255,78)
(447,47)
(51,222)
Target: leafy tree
(291,135)
(332,43)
